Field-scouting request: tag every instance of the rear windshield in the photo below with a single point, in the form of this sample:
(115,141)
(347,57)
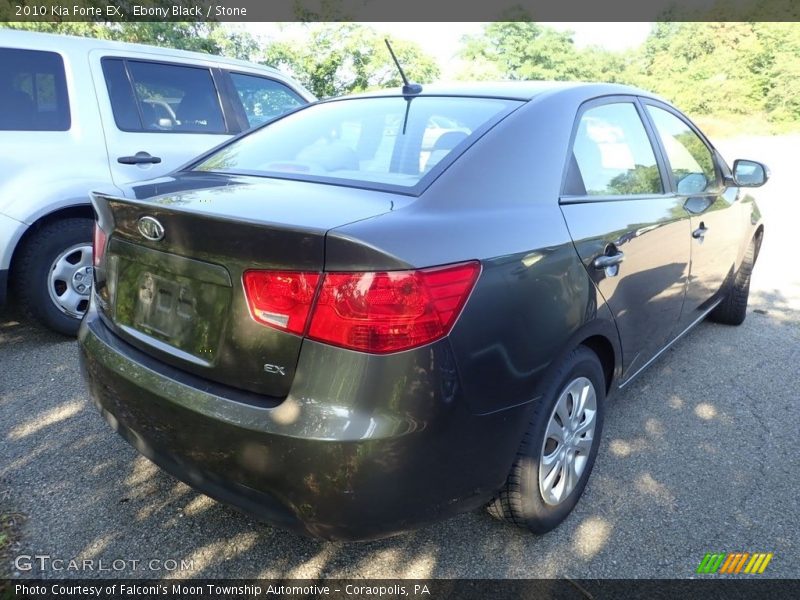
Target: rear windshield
(365,142)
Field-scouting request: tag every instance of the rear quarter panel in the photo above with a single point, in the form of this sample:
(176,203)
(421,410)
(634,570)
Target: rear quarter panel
(498,203)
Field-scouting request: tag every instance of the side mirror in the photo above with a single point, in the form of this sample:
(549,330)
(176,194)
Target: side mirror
(749,173)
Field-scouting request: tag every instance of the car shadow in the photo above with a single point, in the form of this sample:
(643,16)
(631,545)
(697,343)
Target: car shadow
(692,455)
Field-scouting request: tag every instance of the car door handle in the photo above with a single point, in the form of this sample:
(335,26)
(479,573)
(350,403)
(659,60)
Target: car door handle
(700,232)
(606,261)
(140,158)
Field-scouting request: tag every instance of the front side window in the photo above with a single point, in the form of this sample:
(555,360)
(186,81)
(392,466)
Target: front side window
(33,91)
(690,160)
(263,99)
(612,154)
(161,97)
(387,141)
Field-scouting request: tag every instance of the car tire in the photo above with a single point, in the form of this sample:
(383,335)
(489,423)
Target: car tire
(46,270)
(526,500)
(733,308)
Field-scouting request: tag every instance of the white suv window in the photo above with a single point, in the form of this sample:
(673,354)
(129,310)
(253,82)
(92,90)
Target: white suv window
(33,91)
(147,96)
(262,98)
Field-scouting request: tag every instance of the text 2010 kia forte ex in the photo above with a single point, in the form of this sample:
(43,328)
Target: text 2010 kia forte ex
(379,311)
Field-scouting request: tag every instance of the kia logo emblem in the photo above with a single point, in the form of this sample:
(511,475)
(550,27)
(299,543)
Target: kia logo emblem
(150,228)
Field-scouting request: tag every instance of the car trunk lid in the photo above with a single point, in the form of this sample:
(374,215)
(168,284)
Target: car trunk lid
(170,282)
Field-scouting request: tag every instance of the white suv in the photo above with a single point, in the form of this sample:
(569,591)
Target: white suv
(79,113)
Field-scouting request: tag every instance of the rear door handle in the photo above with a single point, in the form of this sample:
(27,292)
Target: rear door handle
(140,158)
(606,261)
(700,232)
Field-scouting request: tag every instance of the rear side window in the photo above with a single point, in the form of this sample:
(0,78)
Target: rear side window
(123,103)
(388,141)
(263,99)
(158,97)
(612,154)
(33,91)
(690,160)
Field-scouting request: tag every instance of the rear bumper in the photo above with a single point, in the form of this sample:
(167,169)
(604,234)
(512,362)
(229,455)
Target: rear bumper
(363,447)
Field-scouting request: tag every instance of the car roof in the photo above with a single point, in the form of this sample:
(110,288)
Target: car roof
(514,90)
(48,41)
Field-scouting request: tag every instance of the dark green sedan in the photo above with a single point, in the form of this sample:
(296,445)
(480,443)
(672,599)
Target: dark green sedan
(383,310)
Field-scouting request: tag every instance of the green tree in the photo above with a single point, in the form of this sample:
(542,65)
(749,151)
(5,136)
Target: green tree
(726,68)
(779,69)
(208,37)
(524,50)
(337,59)
(706,68)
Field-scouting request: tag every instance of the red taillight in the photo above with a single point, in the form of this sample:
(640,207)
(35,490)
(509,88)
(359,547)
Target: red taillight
(98,245)
(281,299)
(379,312)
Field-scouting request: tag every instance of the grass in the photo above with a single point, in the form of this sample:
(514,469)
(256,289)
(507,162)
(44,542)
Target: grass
(10,526)
(729,126)
(5,542)
(10,523)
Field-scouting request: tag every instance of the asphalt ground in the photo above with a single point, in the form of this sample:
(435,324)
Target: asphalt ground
(700,454)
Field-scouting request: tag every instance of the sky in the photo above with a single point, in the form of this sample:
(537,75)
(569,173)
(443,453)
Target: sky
(441,40)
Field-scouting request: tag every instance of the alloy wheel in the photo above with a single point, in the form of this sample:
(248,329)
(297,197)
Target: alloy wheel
(568,441)
(70,280)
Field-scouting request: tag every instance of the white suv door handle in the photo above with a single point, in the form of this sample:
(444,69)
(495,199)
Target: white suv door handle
(140,158)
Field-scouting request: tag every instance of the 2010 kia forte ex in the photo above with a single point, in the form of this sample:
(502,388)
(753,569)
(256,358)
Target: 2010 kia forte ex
(379,311)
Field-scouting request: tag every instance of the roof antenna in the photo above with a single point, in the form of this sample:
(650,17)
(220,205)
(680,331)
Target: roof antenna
(408,87)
